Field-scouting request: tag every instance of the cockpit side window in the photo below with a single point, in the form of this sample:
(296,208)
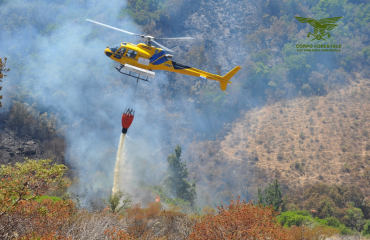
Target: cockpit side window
(131,53)
(121,51)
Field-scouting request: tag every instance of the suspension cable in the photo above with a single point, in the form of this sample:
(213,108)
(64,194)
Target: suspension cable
(131,104)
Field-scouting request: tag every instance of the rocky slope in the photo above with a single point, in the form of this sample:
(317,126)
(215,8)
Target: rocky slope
(220,26)
(14,148)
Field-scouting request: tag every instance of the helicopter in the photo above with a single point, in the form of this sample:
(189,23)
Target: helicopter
(143,58)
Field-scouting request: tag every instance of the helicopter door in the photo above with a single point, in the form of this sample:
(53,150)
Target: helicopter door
(131,53)
(120,53)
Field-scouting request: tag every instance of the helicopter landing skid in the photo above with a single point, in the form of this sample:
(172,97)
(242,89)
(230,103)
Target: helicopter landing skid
(130,74)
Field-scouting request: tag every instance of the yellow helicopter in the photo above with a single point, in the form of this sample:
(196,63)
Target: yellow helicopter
(144,58)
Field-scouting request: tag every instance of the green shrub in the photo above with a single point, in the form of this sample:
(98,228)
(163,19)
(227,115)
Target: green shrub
(53,198)
(321,221)
(119,202)
(179,202)
(303,213)
(344,230)
(297,218)
(332,221)
(354,218)
(366,229)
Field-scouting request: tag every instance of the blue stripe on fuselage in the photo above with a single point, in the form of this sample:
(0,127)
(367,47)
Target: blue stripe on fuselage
(156,56)
(160,61)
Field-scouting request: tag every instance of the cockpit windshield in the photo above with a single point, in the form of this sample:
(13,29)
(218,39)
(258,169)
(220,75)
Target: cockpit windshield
(115,47)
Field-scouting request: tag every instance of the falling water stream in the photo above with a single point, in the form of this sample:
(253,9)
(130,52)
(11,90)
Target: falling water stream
(119,164)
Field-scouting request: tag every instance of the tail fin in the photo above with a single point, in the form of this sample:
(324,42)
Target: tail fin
(227,77)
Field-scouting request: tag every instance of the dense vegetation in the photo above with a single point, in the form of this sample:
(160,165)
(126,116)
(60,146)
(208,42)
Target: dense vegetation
(341,207)
(27,213)
(345,205)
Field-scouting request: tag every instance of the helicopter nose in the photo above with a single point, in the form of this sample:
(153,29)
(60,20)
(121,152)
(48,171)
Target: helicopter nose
(108,52)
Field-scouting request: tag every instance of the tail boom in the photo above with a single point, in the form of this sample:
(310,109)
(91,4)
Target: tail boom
(224,80)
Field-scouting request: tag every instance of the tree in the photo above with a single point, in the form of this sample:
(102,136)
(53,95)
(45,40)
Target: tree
(25,181)
(366,229)
(272,196)
(260,196)
(335,200)
(240,220)
(175,179)
(354,218)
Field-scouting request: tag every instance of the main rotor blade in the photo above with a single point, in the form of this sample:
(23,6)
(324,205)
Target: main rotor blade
(163,47)
(114,28)
(178,38)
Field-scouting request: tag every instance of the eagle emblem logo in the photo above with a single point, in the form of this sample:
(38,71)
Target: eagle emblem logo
(321,27)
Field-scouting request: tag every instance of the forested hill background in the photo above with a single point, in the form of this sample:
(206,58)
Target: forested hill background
(298,116)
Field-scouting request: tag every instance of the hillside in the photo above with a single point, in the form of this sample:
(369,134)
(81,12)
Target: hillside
(27,133)
(304,140)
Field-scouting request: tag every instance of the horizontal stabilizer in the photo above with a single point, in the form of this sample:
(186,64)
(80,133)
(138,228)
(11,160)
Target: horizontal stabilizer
(230,74)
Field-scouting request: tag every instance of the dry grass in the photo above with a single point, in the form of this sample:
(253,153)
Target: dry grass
(355,237)
(142,223)
(86,225)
